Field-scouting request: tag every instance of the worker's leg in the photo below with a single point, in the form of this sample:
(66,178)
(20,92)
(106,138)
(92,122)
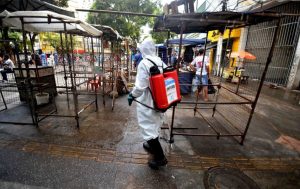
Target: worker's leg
(158,153)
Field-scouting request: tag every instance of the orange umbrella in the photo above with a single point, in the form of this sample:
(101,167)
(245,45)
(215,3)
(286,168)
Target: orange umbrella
(243,54)
(78,51)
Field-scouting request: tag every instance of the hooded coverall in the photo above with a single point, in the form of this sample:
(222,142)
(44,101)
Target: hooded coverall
(149,120)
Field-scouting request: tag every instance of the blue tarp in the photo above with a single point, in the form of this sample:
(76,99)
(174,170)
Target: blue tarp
(187,41)
(185,78)
(162,52)
(160,46)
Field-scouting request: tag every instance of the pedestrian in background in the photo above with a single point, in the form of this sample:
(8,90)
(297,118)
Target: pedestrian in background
(43,58)
(202,71)
(8,67)
(174,58)
(137,58)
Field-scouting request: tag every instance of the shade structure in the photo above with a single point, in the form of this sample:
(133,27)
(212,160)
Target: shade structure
(242,54)
(32,5)
(187,41)
(208,21)
(47,21)
(109,33)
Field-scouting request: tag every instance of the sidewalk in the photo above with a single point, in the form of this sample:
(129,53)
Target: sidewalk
(107,150)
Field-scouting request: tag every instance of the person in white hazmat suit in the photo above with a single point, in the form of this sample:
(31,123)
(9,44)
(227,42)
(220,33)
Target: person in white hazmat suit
(149,120)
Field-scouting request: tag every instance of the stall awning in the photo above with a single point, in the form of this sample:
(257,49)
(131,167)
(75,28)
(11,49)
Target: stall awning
(46,21)
(109,33)
(32,5)
(187,41)
(208,21)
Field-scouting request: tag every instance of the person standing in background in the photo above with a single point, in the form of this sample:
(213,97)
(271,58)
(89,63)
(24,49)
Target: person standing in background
(55,55)
(202,71)
(174,58)
(8,67)
(51,59)
(43,57)
(137,58)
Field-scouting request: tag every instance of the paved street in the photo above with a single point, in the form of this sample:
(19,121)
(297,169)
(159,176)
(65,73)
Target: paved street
(107,153)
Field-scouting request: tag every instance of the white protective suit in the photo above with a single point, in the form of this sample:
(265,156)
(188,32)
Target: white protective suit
(149,120)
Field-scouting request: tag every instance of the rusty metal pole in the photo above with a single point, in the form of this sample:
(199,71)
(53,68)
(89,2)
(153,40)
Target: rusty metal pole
(171,140)
(269,59)
(180,46)
(223,66)
(167,45)
(117,12)
(64,66)
(93,62)
(99,51)
(112,66)
(103,72)
(203,67)
(73,87)
(25,48)
(73,62)
(31,105)
(127,59)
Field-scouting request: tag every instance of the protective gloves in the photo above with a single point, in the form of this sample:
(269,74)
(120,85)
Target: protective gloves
(130,99)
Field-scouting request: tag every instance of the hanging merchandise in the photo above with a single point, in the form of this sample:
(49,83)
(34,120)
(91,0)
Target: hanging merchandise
(164,87)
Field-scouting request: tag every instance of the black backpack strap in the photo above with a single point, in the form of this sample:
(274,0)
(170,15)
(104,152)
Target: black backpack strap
(151,62)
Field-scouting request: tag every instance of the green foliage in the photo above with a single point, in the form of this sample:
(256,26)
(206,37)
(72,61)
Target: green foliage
(126,25)
(53,39)
(159,37)
(16,36)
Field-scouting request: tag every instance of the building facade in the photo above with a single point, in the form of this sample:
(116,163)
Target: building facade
(284,68)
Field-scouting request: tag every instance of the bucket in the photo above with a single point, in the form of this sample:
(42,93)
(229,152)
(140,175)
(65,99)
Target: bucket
(42,98)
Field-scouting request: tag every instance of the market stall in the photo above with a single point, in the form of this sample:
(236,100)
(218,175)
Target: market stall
(227,104)
(33,80)
(110,66)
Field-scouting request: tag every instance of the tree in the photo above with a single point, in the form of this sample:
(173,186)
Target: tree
(53,39)
(161,37)
(126,25)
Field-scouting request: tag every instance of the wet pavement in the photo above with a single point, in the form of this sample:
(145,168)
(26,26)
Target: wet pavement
(106,152)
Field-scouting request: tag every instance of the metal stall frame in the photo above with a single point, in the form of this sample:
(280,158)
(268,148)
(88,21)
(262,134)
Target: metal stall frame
(28,85)
(115,39)
(17,57)
(213,21)
(118,13)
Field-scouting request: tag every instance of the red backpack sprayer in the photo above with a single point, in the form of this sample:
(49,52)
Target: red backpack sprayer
(164,88)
